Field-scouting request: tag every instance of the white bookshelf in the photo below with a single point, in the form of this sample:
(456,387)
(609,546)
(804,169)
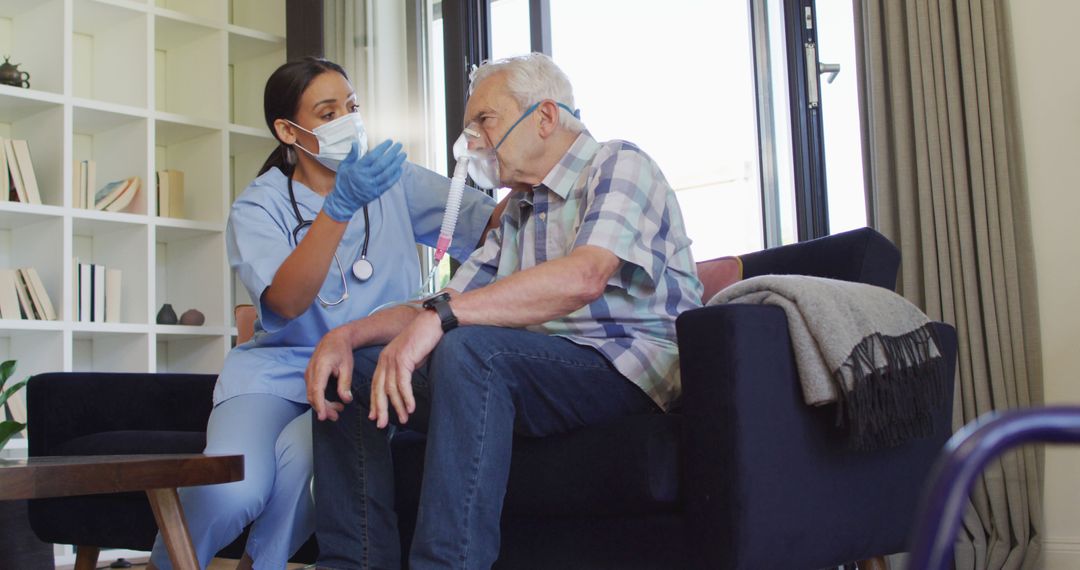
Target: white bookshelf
(137,86)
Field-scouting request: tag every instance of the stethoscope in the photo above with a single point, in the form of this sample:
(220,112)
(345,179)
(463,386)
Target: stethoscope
(362,269)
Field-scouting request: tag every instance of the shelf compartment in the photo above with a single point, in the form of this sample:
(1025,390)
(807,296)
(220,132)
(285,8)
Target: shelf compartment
(116,245)
(190,273)
(110,351)
(191,352)
(16,103)
(36,352)
(109,53)
(28,240)
(41,124)
(28,31)
(197,152)
(247,154)
(15,214)
(252,59)
(189,68)
(267,16)
(116,142)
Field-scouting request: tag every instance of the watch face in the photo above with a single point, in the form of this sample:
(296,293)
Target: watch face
(432,300)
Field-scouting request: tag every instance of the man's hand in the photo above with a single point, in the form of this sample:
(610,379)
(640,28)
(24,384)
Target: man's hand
(393,374)
(333,356)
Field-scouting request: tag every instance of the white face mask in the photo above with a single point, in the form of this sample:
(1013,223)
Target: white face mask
(336,139)
(483,166)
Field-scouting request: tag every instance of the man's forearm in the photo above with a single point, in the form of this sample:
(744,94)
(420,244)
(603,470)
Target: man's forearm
(539,294)
(381,327)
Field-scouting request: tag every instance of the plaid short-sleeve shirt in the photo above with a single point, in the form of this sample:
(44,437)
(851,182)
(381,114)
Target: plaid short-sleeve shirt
(610,195)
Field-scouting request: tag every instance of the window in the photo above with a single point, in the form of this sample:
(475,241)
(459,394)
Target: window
(840,109)
(678,82)
(738,137)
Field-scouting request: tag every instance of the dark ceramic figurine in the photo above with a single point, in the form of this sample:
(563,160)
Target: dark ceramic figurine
(166,316)
(10,74)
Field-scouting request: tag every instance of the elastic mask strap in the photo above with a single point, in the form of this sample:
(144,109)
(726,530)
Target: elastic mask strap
(305,130)
(513,126)
(533,107)
(300,146)
(575,112)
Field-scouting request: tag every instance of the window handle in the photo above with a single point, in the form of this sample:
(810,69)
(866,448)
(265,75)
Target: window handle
(829,70)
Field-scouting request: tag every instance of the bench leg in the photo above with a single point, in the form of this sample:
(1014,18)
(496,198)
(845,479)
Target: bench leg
(878,563)
(86,557)
(174,533)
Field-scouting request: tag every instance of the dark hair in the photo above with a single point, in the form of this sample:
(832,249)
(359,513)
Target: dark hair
(281,99)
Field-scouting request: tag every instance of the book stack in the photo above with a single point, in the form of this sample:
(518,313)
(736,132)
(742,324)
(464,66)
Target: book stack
(170,193)
(97,293)
(23,296)
(112,197)
(17,180)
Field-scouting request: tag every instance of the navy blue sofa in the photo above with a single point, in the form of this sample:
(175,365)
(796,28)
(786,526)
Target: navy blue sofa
(742,475)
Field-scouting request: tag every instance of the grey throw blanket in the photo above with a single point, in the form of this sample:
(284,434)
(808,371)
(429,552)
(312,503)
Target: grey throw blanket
(862,346)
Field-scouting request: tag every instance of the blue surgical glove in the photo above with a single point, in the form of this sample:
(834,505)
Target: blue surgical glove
(361,180)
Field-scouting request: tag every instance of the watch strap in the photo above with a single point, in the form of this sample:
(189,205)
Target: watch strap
(441,305)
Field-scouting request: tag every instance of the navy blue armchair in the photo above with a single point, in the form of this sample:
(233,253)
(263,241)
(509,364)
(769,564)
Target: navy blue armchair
(742,475)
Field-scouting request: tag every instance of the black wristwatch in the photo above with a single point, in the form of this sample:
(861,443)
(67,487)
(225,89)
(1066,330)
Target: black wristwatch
(441,305)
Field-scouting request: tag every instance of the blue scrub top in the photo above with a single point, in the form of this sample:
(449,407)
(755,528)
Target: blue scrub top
(259,238)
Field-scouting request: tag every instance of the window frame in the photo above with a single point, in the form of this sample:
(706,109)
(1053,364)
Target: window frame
(472,45)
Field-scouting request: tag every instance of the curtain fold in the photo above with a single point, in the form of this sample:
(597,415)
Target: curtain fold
(936,100)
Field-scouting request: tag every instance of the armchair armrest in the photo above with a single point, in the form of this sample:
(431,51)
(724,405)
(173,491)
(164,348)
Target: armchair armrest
(65,405)
(765,474)
(861,255)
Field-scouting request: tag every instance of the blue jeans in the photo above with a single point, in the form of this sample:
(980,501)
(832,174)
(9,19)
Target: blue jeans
(480,386)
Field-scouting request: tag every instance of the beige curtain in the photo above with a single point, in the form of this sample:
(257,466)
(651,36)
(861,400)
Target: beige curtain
(943,183)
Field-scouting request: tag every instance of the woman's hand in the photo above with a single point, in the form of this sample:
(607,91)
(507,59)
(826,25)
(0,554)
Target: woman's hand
(361,180)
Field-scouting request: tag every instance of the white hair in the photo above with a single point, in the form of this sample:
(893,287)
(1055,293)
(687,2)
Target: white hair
(530,79)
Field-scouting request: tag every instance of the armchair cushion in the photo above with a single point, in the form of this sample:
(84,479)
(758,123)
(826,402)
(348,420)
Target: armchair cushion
(717,274)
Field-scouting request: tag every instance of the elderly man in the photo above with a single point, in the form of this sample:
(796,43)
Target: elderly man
(564,318)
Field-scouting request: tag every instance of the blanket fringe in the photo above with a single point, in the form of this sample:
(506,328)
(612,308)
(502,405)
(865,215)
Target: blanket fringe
(892,402)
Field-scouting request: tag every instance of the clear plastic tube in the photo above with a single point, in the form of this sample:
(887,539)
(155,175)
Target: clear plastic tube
(450,218)
(446,231)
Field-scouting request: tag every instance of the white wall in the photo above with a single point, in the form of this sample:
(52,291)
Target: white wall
(1048,77)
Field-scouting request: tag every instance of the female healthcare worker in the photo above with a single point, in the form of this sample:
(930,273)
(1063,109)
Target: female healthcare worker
(323,236)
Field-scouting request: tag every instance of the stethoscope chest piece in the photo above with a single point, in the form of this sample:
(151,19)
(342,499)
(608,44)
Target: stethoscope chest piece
(362,269)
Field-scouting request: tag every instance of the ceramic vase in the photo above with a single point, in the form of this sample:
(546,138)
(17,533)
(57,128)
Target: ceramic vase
(166,316)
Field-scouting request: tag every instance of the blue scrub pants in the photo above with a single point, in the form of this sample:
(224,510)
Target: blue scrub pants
(274,435)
